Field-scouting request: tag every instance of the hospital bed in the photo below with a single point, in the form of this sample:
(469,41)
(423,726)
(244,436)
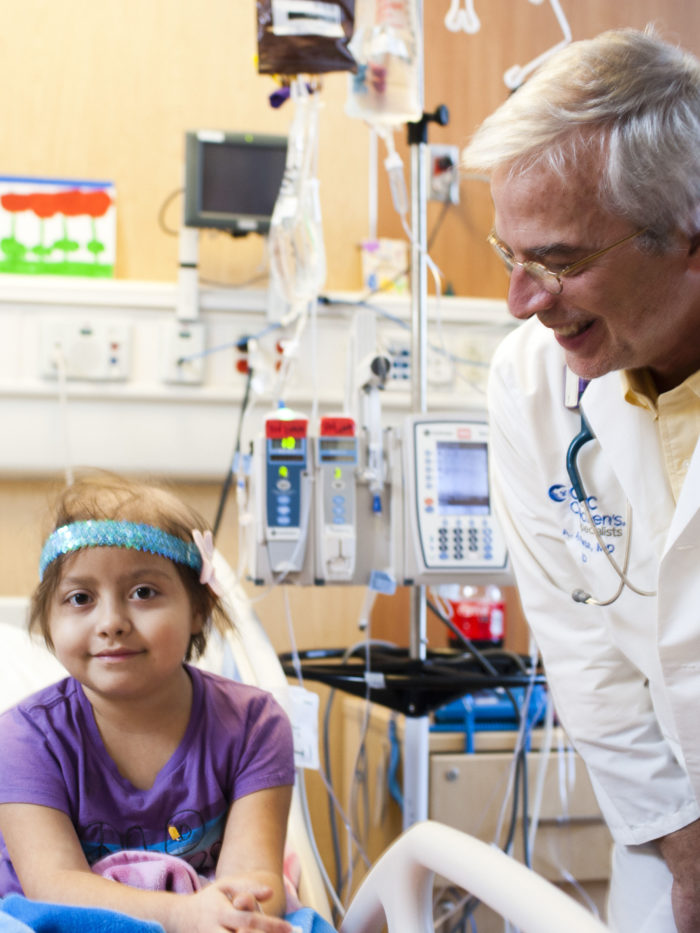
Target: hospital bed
(397,893)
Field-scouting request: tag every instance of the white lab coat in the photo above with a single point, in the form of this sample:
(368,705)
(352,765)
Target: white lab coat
(625,678)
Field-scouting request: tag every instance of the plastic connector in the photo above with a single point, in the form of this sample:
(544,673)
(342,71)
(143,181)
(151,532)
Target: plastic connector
(397,182)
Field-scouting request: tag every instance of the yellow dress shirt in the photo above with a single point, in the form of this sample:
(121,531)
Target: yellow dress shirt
(678,416)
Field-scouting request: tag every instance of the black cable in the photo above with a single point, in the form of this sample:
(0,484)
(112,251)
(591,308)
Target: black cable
(521,760)
(514,808)
(236,451)
(526,811)
(467,642)
(479,655)
(465,913)
(163,208)
(497,653)
(504,653)
(438,223)
(214,283)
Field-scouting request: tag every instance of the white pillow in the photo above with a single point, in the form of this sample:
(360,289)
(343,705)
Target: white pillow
(26,664)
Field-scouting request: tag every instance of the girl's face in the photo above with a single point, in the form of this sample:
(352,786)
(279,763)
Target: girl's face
(121,623)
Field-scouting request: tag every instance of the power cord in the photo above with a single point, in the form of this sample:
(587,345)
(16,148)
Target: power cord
(226,487)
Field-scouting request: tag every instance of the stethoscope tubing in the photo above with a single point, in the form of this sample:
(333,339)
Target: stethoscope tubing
(581,596)
(583,437)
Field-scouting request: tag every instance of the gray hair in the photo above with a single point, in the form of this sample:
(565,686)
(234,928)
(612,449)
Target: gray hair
(628,93)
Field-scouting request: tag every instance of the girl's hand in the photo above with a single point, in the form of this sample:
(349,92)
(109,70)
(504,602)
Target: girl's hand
(250,902)
(224,906)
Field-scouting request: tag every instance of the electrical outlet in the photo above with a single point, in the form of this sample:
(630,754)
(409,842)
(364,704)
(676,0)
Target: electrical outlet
(183,352)
(398,349)
(85,350)
(443,174)
(475,352)
(440,369)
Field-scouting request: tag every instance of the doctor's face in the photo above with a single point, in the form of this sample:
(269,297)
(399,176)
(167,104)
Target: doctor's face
(626,309)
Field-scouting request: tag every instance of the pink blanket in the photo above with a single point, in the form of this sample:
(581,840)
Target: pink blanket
(152,871)
(157,871)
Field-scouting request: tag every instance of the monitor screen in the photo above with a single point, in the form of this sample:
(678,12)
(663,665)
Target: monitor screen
(287,449)
(462,478)
(232,180)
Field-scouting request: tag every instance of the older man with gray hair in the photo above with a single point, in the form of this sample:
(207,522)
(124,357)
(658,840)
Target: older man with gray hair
(595,418)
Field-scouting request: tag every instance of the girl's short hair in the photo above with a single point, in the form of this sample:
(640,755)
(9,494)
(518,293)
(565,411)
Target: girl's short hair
(106,496)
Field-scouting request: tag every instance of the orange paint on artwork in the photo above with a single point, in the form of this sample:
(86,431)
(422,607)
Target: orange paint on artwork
(71,203)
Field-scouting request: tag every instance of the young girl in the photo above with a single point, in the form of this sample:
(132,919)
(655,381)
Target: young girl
(137,758)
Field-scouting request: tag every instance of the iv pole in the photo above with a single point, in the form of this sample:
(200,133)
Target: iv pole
(417,728)
(416,734)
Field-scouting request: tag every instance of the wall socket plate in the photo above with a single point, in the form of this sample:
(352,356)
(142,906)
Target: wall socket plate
(82,349)
(443,173)
(183,352)
(440,371)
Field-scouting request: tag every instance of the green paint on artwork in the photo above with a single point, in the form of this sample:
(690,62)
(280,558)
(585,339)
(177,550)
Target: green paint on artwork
(24,266)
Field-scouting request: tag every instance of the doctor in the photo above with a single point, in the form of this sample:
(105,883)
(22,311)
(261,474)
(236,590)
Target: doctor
(595,178)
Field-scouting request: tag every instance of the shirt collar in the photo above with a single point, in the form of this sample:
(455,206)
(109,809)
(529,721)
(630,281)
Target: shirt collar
(638,388)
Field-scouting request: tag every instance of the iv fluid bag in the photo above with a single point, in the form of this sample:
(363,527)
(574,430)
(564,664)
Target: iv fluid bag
(297,254)
(387,89)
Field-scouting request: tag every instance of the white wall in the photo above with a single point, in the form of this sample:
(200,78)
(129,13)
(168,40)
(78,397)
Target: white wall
(144,424)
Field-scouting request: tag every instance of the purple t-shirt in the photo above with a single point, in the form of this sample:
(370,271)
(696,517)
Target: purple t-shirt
(238,740)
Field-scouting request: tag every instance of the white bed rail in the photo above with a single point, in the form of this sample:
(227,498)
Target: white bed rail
(397,891)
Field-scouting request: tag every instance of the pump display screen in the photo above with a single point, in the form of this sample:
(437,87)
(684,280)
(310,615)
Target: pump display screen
(462,478)
(286,449)
(337,449)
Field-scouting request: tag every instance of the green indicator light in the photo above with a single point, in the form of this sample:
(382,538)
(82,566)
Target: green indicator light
(283,471)
(337,473)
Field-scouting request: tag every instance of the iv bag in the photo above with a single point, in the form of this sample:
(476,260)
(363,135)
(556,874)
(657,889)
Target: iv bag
(297,254)
(387,88)
(304,36)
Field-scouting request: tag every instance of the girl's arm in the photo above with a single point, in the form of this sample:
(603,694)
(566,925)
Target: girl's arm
(252,850)
(50,864)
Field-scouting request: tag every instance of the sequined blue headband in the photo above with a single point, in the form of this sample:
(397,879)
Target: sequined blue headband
(131,535)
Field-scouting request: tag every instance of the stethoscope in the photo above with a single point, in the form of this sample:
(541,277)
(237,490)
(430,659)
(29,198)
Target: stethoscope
(581,596)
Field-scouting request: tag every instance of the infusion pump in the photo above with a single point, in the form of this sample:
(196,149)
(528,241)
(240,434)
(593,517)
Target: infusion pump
(450,529)
(318,518)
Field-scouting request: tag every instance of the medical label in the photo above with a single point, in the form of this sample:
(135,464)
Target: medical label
(304,718)
(306,18)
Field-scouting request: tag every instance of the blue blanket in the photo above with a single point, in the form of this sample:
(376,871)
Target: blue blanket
(19,915)
(309,921)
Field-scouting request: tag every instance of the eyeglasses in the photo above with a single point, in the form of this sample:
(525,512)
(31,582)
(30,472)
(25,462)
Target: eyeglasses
(548,278)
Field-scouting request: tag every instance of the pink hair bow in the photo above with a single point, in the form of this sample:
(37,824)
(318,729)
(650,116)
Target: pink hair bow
(205,545)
